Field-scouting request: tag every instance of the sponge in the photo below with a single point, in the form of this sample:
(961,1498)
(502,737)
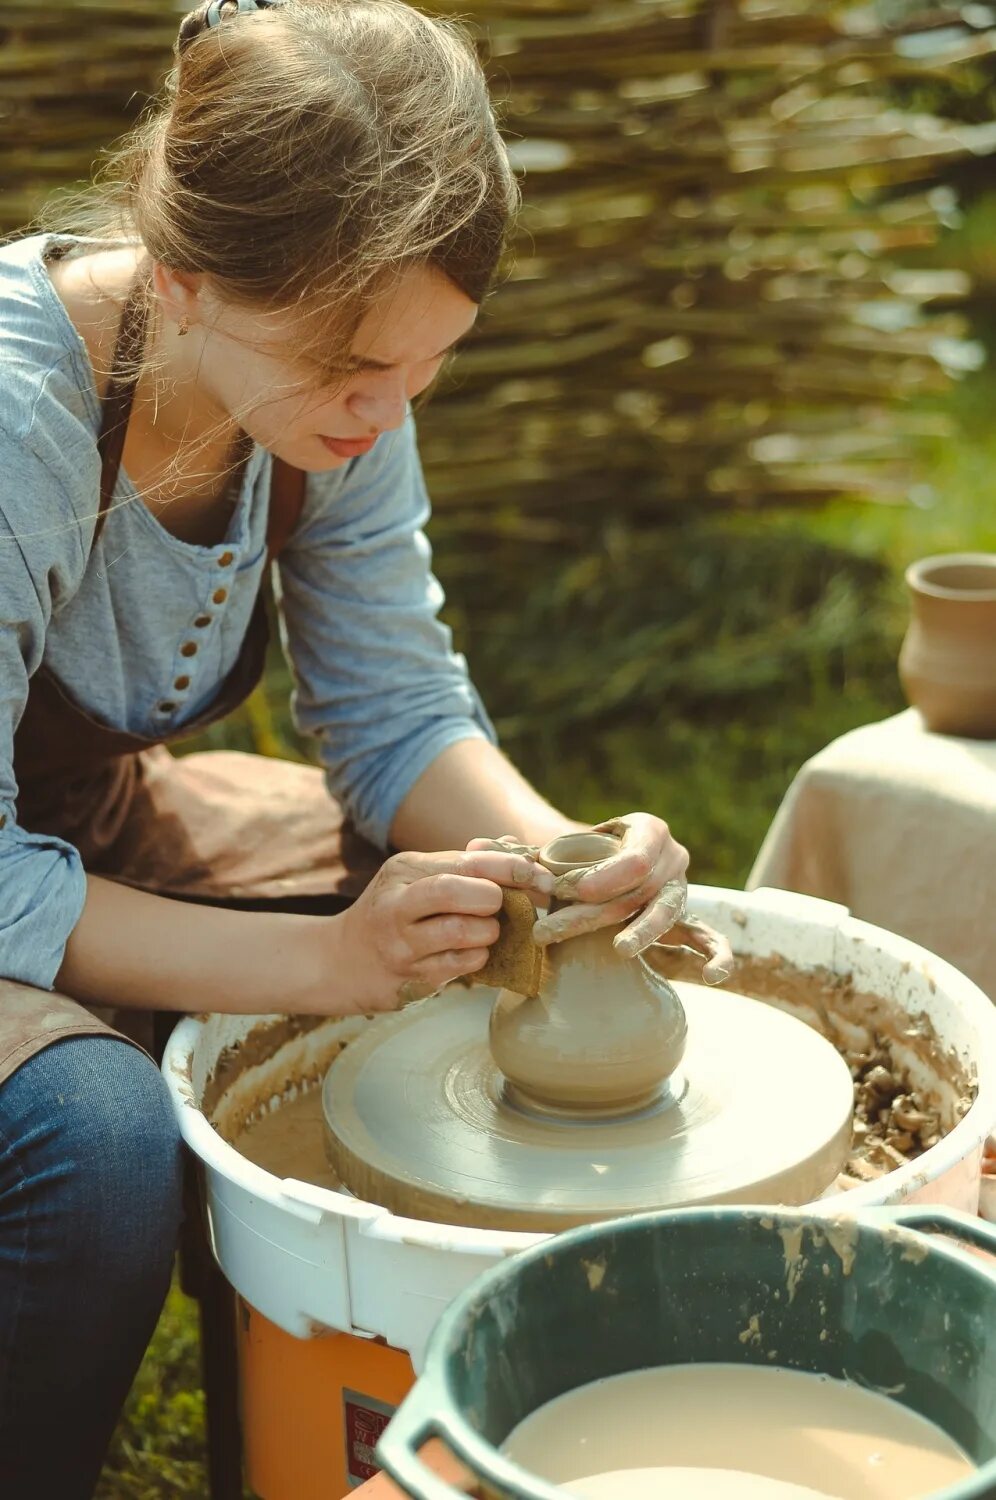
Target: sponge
(515,962)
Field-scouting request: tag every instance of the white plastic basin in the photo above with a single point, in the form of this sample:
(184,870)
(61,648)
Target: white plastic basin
(312,1259)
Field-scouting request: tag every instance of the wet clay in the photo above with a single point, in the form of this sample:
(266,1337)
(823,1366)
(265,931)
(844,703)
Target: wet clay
(921,1092)
(604,1033)
(734,1432)
(895,1118)
(573,1110)
(290,1141)
(262,1043)
(420,1122)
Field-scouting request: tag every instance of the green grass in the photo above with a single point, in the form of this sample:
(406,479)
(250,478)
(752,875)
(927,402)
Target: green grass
(158,1449)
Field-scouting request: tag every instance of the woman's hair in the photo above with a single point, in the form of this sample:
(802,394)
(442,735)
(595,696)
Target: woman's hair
(305,153)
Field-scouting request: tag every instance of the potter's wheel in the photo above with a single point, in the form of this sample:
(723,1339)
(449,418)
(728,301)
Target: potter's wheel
(419,1121)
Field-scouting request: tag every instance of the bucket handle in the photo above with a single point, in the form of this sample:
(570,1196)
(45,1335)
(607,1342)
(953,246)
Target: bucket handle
(413,1424)
(929,1219)
(417,1420)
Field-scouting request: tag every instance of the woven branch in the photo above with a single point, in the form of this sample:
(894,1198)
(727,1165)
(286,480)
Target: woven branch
(705,302)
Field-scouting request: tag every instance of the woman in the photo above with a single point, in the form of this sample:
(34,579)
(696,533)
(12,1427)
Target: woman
(217,373)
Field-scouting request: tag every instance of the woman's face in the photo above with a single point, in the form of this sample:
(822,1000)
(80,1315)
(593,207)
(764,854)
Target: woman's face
(246,368)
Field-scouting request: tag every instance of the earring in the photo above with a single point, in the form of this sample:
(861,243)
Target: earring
(183,326)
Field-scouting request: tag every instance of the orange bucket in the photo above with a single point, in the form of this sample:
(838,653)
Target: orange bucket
(313,1409)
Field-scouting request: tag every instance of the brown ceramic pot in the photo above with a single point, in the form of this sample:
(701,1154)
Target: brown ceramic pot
(947,663)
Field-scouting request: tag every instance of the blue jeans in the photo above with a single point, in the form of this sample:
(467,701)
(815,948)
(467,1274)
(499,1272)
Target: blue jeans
(90,1174)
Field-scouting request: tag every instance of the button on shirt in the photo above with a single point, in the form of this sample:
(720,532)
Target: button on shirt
(143,630)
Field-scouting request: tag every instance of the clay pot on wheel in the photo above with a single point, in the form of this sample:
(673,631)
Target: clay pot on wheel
(605,1033)
(947,664)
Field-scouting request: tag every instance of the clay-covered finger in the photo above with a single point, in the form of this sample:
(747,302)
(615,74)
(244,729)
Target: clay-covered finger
(442,968)
(504,867)
(647,852)
(517,871)
(716,948)
(440,895)
(614,877)
(436,935)
(667,908)
(474,888)
(581,917)
(671,867)
(713,946)
(505,842)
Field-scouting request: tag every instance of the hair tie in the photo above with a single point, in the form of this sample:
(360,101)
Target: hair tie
(214,13)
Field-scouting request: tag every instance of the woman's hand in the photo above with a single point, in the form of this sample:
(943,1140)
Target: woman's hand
(426,919)
(646,879)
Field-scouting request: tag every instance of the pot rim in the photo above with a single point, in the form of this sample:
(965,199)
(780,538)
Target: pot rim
(581,850)
(918,575)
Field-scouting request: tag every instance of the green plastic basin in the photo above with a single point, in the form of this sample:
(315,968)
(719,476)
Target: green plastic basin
(889,1299)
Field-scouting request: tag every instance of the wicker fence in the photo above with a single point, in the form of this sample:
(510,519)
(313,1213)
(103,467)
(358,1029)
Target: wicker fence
(707,302)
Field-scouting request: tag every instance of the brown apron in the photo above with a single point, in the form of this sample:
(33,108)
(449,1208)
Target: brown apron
(215,826)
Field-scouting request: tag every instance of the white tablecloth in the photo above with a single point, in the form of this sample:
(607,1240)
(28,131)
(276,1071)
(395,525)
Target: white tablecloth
(899,825)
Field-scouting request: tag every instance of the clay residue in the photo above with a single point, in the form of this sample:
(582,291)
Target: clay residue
(421,1123)
(842,1237)
(595,1272)
(895,1121)
(262,1043)
(752,1333)
(277,1062)
(896,1118)
(184,1082)
(795,1261)
(839,1235)
(913,1247)
(289,1141)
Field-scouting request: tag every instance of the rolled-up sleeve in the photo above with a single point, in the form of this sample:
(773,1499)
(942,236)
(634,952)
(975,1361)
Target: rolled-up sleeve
(42,891)
(42,882)
(376,677)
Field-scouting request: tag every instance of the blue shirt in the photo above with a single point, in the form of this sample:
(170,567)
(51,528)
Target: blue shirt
(377,680)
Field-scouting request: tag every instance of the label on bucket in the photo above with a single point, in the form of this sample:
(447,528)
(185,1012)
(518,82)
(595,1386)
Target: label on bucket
(365,1419)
